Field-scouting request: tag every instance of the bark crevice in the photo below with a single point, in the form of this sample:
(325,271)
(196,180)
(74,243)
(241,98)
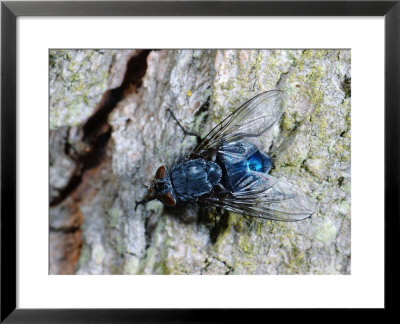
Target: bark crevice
(96,131)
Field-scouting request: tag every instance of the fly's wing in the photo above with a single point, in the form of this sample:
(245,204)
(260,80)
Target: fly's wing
(261,195)
(256,194)
(252,119)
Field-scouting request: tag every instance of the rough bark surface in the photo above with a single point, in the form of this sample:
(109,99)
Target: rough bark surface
(116,133)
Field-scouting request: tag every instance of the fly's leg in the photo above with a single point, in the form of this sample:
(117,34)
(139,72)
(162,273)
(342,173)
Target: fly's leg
(141,202)
(186,132)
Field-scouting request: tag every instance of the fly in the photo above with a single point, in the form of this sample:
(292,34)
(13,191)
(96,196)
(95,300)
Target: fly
(226,169)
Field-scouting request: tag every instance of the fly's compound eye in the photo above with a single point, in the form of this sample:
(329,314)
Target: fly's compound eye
(161,173)
(168,199)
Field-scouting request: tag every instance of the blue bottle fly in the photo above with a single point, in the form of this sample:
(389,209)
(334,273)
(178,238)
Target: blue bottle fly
(226,169)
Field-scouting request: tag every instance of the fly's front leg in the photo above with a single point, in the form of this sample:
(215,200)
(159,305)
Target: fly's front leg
(186,132)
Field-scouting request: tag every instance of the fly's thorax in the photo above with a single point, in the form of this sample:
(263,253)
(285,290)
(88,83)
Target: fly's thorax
(162,187)
(194,178)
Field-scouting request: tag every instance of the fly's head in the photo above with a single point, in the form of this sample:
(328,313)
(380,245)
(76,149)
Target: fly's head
(161,189)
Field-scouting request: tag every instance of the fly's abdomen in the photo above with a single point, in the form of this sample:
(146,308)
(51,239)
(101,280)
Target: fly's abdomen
(240,159)
(195,178)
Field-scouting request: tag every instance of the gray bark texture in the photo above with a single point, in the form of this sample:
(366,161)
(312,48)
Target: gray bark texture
(110,131)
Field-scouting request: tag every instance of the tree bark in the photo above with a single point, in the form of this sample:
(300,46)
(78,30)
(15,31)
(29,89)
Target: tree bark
(110,133)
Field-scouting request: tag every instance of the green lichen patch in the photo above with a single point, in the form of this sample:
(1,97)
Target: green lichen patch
(326,232)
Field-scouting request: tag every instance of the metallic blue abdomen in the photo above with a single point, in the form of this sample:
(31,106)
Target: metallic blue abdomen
(255,163)
(194,178)
(240,160)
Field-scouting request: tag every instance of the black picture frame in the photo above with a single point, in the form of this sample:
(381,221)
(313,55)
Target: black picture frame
(9,13)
